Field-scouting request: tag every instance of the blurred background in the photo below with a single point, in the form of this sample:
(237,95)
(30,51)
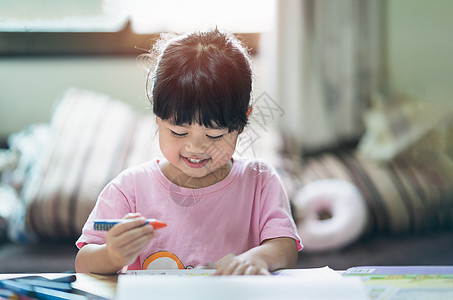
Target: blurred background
(353,90)
(322,61)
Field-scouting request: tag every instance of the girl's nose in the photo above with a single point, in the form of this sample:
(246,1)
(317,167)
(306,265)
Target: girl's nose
(196,145)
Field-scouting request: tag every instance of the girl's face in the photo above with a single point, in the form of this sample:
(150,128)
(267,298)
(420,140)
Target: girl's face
(196,152)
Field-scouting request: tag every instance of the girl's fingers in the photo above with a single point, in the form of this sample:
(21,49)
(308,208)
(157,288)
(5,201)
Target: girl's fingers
(256,271)
(241,269)
(116,238)
(126,247)
(252,270)
(230,268)
(134,248)
(132,216)
(224,261)
(121,228)
(236,265)
(264,272)
(140,241)
(126,240)
(131,235)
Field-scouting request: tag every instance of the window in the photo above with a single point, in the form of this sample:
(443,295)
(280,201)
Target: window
(119,27)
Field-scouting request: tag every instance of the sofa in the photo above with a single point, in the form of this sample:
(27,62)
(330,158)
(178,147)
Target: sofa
(395,213)
(419,249)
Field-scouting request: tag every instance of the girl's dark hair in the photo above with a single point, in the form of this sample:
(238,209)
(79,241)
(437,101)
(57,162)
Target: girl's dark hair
(203,77)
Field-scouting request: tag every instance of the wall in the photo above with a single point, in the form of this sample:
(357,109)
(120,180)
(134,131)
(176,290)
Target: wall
(420,48)
(30,86)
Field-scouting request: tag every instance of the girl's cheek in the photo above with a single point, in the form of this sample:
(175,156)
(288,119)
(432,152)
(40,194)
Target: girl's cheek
(223,153)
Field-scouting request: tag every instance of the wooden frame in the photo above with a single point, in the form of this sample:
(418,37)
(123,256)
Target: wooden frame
(123,42)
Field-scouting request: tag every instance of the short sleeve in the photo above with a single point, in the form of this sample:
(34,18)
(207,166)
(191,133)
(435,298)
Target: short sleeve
(277,220)
(112,203)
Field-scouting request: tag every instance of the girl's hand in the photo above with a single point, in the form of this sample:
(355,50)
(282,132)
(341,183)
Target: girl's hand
(125,241)
(243,264)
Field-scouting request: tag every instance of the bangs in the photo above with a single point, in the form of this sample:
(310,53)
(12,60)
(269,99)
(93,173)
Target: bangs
(201,84)
(210,101)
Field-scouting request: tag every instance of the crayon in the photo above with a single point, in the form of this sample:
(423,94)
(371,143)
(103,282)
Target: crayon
(106,224)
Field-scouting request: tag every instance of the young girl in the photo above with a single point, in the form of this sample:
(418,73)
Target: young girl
(232,212)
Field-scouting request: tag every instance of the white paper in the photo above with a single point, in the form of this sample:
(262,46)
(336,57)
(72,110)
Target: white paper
(322,283)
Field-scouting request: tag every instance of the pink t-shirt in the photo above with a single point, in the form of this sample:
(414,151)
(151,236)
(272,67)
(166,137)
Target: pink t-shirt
(232,216)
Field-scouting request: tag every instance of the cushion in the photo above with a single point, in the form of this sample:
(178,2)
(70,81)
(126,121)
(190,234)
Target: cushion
(403,196)
(94,137)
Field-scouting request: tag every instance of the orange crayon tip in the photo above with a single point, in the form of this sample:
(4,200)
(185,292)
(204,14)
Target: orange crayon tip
(156,224)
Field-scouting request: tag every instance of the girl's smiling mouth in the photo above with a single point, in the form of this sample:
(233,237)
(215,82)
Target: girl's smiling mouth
(195,162)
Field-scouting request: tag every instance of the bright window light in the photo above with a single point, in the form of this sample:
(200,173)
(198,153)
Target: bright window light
(180,15)
(146,16)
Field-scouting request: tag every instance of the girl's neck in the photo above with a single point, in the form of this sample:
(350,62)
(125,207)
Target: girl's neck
(181,179)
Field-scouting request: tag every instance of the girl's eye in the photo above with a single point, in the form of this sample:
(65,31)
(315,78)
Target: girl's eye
(218,137)
(178,134)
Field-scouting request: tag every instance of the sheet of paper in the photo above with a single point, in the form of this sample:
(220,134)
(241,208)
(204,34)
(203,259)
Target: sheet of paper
(320,283)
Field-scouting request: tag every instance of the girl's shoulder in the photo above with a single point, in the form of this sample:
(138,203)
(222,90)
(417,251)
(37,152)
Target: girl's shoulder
(254,166)
(140,170)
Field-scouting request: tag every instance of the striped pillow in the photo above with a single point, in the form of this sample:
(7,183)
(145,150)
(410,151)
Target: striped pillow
(93,138)
(403,196)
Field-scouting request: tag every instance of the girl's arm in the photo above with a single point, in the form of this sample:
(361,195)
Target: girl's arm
(124,242)
(271,255)
(93,258)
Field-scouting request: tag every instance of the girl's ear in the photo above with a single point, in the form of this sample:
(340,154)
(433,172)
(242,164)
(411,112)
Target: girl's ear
(249,111)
